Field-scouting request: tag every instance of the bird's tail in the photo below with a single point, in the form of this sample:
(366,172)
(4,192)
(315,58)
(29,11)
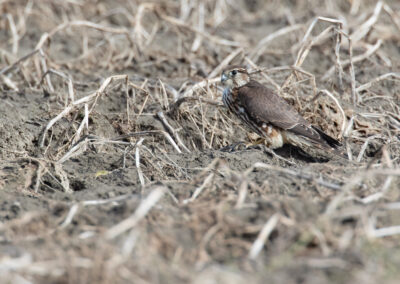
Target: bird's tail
(332,142)
(332,145)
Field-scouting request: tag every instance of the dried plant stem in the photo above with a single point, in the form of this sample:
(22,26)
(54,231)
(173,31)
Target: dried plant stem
(199,189)
(201,85)
(263,236)
(344,120)
(371,50)
(14,32)
(376,80)
(293,173)
(137,161)
(71,92)
(144,207)
(76,103)
(242,193)
(217,70)
(9,68)
(214,39)
(171,130)
(262,44)
(45,37)
(366,26)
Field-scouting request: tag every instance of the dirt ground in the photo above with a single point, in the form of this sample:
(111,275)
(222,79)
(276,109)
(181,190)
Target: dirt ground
(112,125)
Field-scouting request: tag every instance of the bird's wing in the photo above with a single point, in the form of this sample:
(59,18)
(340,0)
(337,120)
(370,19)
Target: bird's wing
(264,105)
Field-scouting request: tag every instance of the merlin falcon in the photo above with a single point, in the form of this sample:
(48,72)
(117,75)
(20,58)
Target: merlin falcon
(268,115)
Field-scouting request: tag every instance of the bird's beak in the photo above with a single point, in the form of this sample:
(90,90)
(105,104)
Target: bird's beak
(223,78)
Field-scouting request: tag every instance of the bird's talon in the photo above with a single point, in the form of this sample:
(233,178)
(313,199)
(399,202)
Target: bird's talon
(234,147)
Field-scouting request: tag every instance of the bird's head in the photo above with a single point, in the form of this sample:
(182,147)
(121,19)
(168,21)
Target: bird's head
(235,76)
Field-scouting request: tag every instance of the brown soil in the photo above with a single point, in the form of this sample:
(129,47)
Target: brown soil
(129,199)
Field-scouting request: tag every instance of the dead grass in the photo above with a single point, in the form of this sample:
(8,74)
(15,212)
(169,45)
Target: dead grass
(126,166)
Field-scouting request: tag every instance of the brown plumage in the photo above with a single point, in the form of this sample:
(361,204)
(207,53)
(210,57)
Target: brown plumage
(267,114)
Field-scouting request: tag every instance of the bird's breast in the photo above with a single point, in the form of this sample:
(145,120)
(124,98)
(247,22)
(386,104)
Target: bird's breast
(228,99)
(225,96)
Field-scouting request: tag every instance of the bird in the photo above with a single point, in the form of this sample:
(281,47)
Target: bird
(267,114)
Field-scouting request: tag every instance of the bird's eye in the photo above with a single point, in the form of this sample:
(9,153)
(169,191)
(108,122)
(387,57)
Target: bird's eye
(234,72)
